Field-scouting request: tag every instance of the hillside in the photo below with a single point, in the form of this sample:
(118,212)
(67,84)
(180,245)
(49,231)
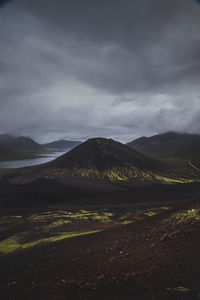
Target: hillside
(110,160)
(8,154)
(170,145)
(20,143)
(122,253)
(61,144)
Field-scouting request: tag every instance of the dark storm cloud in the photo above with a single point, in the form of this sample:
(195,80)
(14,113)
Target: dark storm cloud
(130,64)
(134,41)
(3,2)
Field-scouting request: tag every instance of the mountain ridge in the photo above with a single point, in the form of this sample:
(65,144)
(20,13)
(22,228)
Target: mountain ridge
(169,145)
(20,143)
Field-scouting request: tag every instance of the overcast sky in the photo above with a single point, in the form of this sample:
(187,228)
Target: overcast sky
(78,69)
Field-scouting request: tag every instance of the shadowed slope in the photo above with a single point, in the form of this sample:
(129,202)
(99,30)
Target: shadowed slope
(8,154)
(110,160)
(103,154)
(169,145)
(21,143)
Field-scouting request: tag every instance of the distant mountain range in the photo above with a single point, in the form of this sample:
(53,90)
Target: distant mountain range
(143,160)
(62,144)
(170,145)
(21,143)
(21,147)
(97,167)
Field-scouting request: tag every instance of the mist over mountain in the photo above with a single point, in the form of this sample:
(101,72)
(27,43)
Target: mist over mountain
(20,143)
(61,144)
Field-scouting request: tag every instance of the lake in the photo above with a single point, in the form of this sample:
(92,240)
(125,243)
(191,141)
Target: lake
(33,161)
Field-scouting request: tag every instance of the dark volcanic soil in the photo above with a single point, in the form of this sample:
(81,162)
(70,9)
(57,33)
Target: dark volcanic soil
(21,190)
(155,257)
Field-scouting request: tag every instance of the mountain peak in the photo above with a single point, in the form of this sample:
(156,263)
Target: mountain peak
(104,159)
(100,141)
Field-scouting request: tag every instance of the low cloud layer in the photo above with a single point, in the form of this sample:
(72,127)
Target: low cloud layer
(78,69)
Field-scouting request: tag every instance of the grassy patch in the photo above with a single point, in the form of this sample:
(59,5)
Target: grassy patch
(9,245)
(170,180)
(187,215)
(180,289)
(151,213)
(51,226)
(57,224)
(154,212)
(83,216)
(13,243)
